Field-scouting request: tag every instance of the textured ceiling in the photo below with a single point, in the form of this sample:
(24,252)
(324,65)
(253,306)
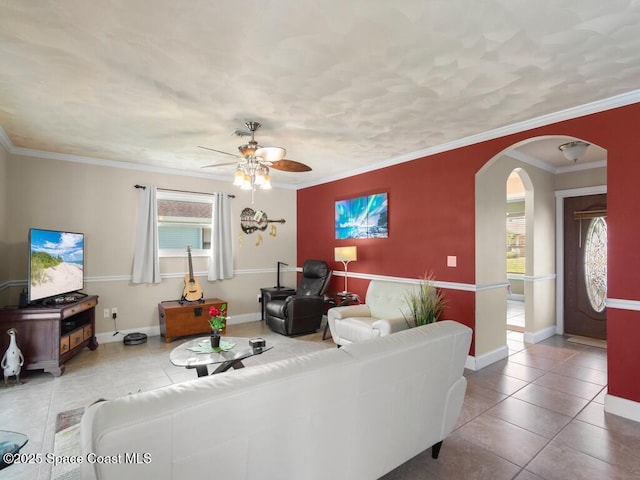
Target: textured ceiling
(342,85)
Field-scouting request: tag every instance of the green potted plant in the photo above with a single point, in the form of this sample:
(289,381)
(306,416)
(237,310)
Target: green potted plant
(217,321)
(425,303)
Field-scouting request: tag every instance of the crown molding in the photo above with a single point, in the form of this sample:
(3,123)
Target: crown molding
(617,101)
(562,115)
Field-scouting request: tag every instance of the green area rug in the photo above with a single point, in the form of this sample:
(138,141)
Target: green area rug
(66,443)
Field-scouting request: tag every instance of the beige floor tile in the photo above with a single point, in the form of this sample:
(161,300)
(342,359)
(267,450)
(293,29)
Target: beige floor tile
(526,475)
(595,415)
(616,448)
(596,361)
(582,373)
(459,459)
(550,352)
(503,439)
(559,462)
(477,401)
(535,361)
(516,370)
(496,381)
(551,399)
(573,386)
(531,417)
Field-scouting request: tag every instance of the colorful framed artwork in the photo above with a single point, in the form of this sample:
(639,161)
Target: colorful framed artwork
(362,217)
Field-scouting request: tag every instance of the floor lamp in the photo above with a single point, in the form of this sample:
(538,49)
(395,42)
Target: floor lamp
(346,255)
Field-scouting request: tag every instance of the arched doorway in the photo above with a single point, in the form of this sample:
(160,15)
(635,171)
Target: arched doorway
(516,249)
(543,279)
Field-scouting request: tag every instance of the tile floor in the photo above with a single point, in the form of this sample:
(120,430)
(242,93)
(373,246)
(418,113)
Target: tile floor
(515,315)
(537,415)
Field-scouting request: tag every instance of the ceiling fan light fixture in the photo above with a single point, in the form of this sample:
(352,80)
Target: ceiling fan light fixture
(266,183)
(238,177)
(246,184)
(248,149)
(259,177)
(271,154)
(573,151)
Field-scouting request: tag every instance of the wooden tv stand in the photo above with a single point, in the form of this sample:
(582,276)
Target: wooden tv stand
(48,336)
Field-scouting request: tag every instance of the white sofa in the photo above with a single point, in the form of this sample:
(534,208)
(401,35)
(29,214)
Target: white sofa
(351,413)
(384,311)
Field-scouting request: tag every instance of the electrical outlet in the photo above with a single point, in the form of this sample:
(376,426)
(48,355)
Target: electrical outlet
(105,313)
(114,311)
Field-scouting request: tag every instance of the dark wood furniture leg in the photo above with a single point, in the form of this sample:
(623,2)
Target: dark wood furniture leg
(435,449)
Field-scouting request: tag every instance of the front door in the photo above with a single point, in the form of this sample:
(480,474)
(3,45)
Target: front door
(585,266)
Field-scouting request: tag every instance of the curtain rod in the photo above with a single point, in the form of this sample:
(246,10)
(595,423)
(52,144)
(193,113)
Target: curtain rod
(181,191)
(578,214)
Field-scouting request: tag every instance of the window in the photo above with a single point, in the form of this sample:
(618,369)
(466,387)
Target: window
(184,219)
(516,242)
(595,263)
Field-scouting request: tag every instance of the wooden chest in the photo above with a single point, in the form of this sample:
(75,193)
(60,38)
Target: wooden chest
(180,319)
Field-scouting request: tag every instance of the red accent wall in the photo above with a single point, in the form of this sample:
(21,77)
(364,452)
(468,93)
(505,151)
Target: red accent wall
(623,357)
(432,215)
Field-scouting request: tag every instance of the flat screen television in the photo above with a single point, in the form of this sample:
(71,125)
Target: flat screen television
(56,264)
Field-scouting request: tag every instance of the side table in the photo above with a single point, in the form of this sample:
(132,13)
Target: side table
(10,444)
(339,299)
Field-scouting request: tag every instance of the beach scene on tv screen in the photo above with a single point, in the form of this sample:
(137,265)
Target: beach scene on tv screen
(56,263)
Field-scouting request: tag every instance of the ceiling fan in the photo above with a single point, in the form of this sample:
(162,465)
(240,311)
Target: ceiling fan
(253,153)
(254,161)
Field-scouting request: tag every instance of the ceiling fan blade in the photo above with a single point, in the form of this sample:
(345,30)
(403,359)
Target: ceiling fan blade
(219,164)
(290,166)
(220,151)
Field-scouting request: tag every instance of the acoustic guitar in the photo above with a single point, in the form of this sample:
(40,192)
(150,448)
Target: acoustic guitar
(192,290)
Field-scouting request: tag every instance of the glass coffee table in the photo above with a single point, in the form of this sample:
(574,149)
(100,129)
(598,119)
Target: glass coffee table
(10,444)
(198,354)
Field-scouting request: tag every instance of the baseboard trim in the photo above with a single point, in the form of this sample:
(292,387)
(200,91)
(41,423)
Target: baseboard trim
(622,407)
(112,337)
(540,335)
(481,361)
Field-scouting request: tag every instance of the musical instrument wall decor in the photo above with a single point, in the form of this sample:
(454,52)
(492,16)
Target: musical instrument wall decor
(192,290)
(251,220)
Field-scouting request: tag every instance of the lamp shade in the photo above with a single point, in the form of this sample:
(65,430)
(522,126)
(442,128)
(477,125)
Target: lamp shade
(346,254)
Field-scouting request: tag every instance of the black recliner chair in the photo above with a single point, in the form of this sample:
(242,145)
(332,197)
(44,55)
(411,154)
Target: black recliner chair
(301,312)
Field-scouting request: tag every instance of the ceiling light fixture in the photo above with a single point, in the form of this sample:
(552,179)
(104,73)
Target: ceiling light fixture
(252,168)
(573,151)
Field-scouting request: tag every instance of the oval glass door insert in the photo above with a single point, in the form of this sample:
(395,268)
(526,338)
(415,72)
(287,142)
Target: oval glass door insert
(595,263)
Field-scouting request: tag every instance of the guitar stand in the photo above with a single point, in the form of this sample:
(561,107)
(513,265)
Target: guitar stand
(182,300)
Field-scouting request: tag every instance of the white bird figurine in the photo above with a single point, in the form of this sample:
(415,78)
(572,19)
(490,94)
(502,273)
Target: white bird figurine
(12,360)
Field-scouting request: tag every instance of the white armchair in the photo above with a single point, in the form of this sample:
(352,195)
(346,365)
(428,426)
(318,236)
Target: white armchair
(383,312)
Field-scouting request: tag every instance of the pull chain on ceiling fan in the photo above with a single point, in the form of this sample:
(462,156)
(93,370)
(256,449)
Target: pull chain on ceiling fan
(252,168)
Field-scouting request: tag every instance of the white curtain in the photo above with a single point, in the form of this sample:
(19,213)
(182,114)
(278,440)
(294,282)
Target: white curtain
(146,264)
(221,264)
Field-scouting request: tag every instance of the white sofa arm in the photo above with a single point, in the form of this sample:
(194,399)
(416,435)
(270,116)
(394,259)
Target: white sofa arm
(336,314)
(392,325)
(348,311)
